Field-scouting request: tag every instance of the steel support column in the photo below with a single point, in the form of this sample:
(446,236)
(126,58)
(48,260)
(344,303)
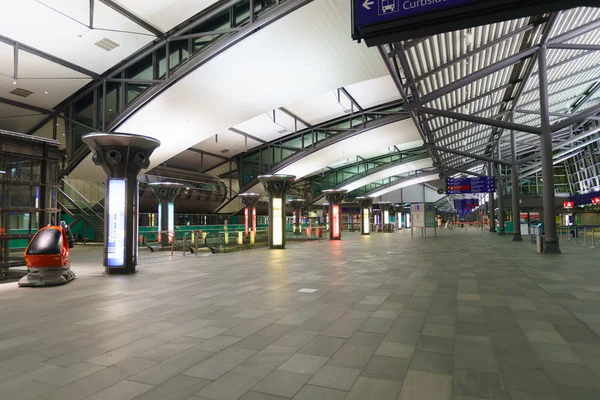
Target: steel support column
(492,202)
(550,239)
(514,170)
(501,231)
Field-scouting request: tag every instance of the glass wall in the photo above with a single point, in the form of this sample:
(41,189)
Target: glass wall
(28,172)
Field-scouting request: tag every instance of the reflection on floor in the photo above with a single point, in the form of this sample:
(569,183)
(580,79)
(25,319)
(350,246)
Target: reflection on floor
(466,315)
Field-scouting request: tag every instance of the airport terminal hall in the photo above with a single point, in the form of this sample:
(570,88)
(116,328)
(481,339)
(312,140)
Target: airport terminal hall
(300,200)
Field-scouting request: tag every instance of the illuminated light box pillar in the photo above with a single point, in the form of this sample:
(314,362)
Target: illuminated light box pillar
(122,156)
(384,206)
(365,204)
(166,192)
(297,206)
(277,186)
(250,201)
(335,197)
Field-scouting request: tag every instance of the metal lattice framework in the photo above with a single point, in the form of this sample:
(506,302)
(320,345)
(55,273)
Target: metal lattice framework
(467,89)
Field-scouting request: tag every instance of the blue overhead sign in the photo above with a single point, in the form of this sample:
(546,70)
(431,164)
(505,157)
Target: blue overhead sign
(375,11)
(381,22)
(484,184)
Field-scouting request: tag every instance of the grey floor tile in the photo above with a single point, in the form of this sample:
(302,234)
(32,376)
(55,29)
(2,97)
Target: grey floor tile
(387,368)
(256,342)
(477,385)
(369,388)
(343,328)
(323,346)
(436,344)
(392,349)
(171,367)
(220,363)
(557,353)
(366,339)
(438,330)
(309,392)
(335,377)
(282,383)
(420,385)
(545,337)
(571,375)
(577,334)
(579,393)
(296,338)
(438,363)
(251,395)
(516,395)
(474,353)
(266,361)
(124,390)
(180,387)
(527,380)
(303,364)
(228,387)
(350,356)
(377,325)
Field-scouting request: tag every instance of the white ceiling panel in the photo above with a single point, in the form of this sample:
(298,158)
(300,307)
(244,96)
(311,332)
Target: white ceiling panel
(104,17)
(165,14)
(17,119)
(373,92)
(391,171)
(226,140)
(39,76)
(373,140)
(270,126)
(224,93)
(53,32)
(320,108)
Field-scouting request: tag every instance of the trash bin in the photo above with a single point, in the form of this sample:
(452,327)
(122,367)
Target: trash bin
(539,243)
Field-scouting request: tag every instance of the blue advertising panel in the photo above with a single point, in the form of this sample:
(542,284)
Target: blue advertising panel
(115,243)
(369,12)
(484,184)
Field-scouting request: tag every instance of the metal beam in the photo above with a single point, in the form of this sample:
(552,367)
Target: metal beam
(48,57)
(565,123)
(131,16)
(462,171)
(295,117)
(207,153)
(465,154)
(25,106)
(480,120)
(349,96)
(573,46)
(459,83)
(242,133)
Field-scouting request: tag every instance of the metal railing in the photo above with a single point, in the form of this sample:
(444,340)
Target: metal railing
(580,235)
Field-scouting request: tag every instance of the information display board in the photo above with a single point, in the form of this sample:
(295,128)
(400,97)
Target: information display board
(384,21)
(417,212)
(484,184)
(430,215)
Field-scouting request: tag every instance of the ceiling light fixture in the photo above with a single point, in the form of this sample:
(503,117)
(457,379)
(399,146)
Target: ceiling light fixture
(46,92)
(14,82)
(468,38)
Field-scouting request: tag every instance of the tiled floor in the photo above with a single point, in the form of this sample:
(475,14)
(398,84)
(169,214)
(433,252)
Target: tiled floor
(464,316)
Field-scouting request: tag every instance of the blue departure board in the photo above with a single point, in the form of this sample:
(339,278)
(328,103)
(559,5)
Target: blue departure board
(484,184)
